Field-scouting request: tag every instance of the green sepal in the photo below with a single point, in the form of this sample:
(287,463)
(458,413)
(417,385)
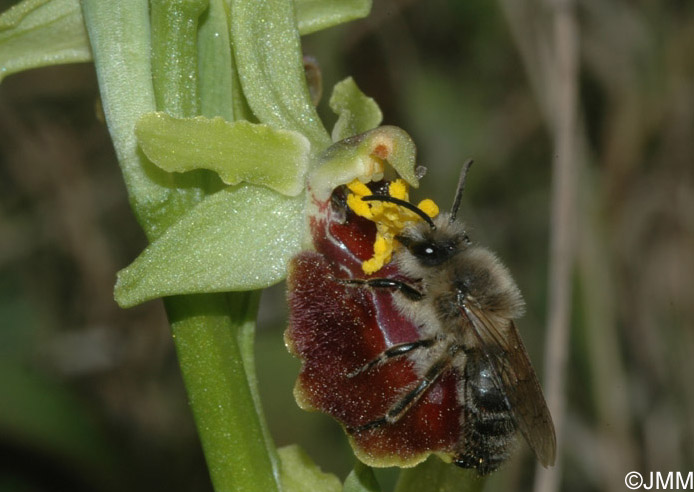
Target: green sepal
(238,151)
(268,54)
(300,474)
(361,479)
(315,15)
(361,156)
(240,238)
(37,33)
(356,111)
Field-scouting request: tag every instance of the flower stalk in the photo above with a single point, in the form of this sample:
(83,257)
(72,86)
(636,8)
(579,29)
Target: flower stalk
(212,332)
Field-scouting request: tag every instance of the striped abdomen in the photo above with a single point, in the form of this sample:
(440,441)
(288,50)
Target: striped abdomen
(487,423)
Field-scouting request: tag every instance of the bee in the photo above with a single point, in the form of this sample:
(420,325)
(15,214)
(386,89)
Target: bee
(464,301)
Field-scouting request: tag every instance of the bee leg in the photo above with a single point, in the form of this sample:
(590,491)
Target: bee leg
(386,283)
(394,351)
(397,411)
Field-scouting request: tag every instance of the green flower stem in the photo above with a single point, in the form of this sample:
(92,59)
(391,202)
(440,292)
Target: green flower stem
(215,64)
(204,327)
(225,409)
(246,303)
(218,372)
(174,25)
(175,54)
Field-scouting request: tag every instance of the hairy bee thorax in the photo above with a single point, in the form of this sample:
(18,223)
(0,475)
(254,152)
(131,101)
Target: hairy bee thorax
(467,273)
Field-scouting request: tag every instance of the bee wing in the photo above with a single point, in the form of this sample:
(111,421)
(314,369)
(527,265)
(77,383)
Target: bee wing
(517,380)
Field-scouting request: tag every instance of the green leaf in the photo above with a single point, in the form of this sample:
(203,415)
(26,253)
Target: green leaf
(356,111)
(240,238)
(361,479)
(120,40)
(36,33)
(268,55)
(239,151)
(300,474)
(315,15)
(436,476)
(363,156)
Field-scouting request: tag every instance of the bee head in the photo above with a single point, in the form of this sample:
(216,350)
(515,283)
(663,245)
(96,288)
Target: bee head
(433,245)
(432,242)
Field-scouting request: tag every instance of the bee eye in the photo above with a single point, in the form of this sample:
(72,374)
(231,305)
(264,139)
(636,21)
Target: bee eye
(423,249)
(432,253)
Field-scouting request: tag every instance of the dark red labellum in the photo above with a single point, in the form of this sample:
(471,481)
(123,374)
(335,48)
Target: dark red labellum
(336,328)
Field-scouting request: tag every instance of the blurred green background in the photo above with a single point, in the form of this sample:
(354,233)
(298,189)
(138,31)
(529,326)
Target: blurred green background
(91,397)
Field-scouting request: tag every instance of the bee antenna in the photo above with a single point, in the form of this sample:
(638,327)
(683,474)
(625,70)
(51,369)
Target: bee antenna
(402,203)
(459,191)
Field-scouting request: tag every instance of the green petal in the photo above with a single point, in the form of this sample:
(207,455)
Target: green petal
(356,111)
(300,474)
(359,156)
(314,15)
(36,33)
(268,54)
(239,151)
(240,238)
(361,479)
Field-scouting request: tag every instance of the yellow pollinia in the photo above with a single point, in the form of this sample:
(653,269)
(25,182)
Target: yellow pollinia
(390,218)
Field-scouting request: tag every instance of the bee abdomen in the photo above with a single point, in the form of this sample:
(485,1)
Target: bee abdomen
(488,427)
(487,439)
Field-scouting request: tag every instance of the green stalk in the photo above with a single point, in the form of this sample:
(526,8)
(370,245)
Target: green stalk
(174,54)
(205,328)
(174,25)
(246,303)
(223,405)
(215,64)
